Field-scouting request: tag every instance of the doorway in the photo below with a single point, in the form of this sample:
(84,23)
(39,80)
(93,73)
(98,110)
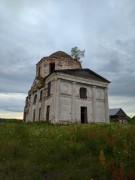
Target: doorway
(47,113)
(39,115)
(34,115)
(83,115)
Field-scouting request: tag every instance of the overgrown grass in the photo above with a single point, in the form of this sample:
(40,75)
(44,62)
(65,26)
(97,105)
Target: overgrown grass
(43,151)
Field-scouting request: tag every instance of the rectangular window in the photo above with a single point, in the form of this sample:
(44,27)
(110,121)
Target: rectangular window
(83,93)
(35,99)
(34,115)
(52,67)
(49,89)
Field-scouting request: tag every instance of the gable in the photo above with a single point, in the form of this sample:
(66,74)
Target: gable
(117,112)
(121,113)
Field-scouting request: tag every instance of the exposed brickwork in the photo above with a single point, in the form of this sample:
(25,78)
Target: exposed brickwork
(61,60)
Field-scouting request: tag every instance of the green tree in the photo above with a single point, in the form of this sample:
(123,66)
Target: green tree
(77,53)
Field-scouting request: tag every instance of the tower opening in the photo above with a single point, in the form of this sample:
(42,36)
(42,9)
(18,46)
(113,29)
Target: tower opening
(52,67)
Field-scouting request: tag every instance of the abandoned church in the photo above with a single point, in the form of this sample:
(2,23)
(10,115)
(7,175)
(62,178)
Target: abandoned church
(64,92)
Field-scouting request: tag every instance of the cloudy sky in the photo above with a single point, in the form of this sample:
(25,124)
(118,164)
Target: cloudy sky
(31,29)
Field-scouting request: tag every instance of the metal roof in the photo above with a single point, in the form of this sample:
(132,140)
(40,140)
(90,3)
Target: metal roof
(113,112)
(86,73)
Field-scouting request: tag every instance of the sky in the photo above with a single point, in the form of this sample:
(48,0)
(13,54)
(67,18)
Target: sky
(32,29)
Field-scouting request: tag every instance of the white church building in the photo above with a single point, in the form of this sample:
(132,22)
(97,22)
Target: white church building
(64,92)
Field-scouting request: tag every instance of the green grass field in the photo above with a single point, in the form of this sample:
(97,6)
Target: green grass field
(43,151)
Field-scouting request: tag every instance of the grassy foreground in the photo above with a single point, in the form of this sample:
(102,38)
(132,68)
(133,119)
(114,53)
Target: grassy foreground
(43,151)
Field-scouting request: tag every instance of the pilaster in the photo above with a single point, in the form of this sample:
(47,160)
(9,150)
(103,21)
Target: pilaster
(57,100)
(94,103)
(106,106)
(73,102)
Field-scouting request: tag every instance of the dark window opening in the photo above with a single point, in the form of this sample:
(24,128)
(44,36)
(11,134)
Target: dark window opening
(83,93)
(47,113)
(52,67)
(41,94)
(83,115)
(35,99)
(39,116)
(24,117)
(49,89)
(34,115)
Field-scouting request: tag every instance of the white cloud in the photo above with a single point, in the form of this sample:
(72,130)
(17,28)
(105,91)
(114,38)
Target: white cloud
(12,105)
(11,115)
(12,96)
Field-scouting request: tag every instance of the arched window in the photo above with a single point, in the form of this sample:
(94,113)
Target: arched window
(35,99)
(49,89)
(83,93)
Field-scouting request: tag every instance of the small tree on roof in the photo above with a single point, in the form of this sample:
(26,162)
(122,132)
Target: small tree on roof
(77,53)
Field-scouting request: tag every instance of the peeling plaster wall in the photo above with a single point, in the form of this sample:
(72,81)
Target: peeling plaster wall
(65,102)
(64,99)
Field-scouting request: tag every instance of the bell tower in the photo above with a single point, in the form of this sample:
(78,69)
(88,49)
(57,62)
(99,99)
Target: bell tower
(56,61)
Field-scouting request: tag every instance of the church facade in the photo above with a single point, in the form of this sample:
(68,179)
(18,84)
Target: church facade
(64,92)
